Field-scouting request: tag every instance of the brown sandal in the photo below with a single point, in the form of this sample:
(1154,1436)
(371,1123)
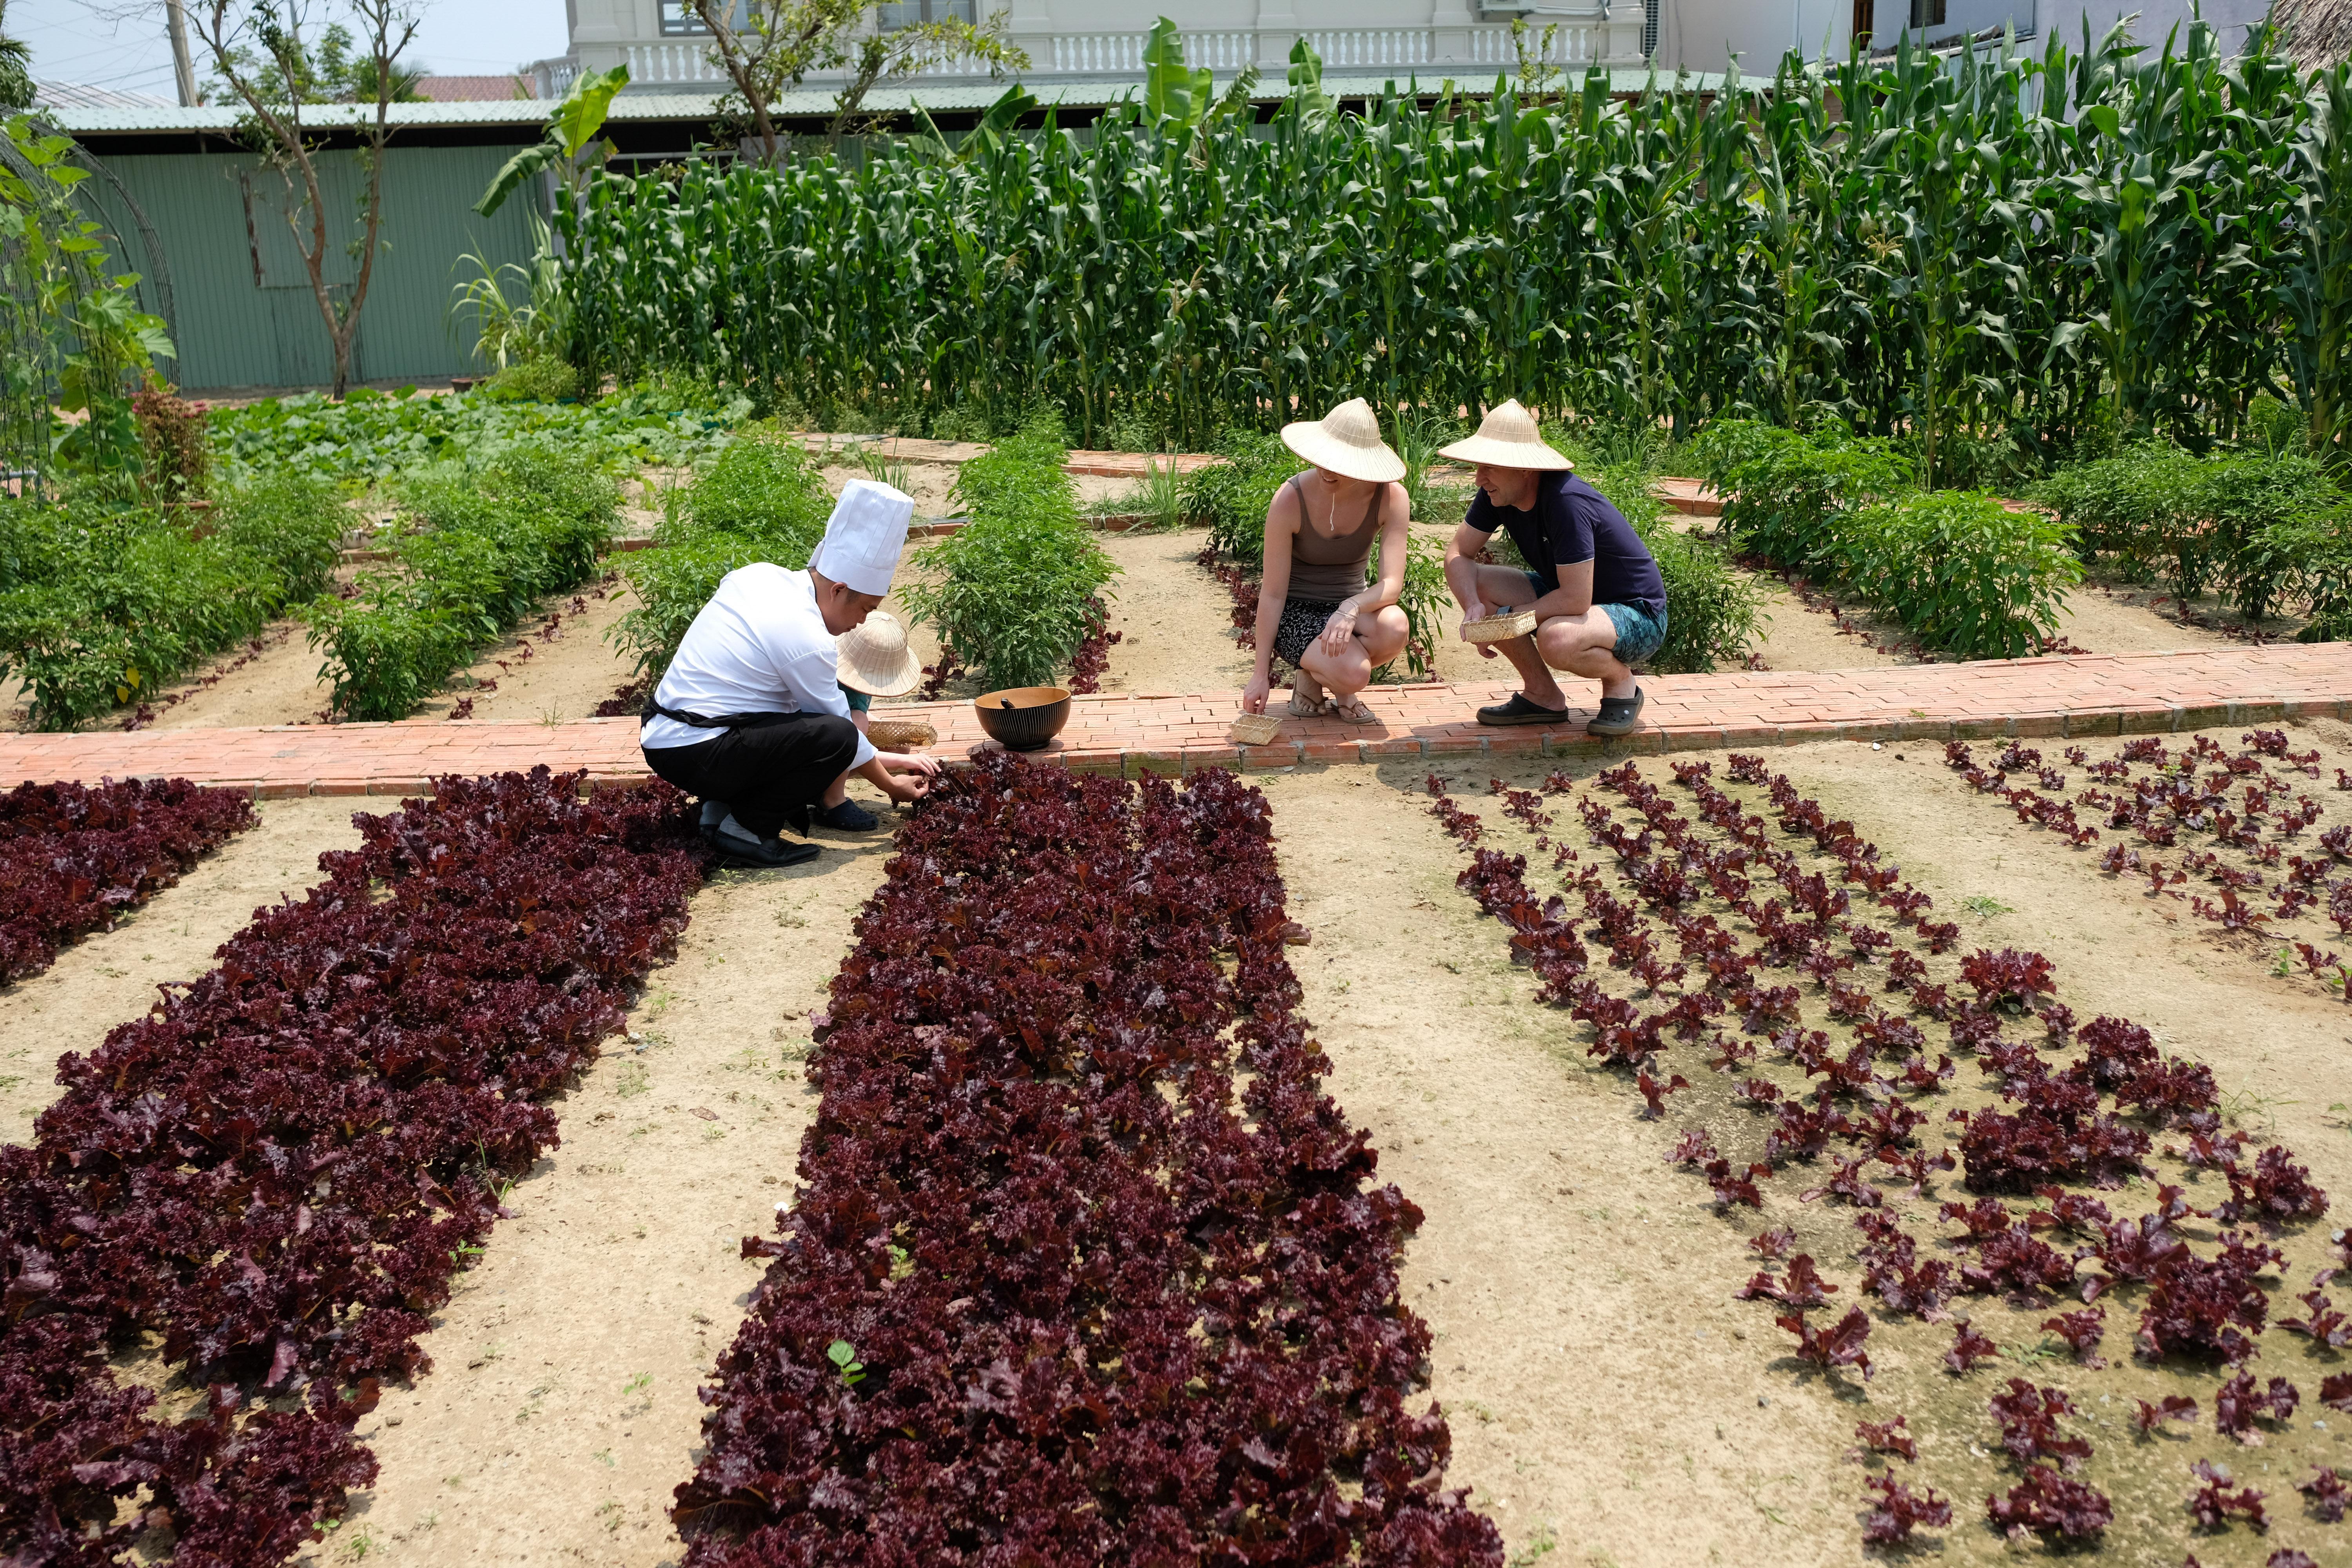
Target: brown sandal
(1354,712)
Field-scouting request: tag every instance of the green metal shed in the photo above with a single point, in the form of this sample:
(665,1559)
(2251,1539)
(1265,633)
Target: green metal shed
(245,314)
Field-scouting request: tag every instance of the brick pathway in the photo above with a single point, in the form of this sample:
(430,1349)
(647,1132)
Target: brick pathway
(2090,694)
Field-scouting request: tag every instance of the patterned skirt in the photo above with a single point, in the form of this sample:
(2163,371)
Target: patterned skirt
(1302,622)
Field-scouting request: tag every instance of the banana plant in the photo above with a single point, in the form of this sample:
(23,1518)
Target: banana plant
(570,136)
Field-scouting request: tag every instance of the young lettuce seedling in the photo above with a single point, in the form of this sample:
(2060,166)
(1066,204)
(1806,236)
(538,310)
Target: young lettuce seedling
(843,1355)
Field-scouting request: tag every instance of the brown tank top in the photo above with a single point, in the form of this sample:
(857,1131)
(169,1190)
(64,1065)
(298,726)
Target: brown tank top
(1325,569)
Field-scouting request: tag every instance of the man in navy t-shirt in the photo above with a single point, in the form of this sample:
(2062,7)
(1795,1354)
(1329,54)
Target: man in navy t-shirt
(1599,600)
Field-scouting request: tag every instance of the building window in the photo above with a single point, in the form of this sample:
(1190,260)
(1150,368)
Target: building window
(1927,13)
(907,13)
(678,19)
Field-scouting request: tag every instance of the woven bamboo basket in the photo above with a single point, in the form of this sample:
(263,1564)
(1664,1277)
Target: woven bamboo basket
(1255,729)
(901,734)
(1500,628)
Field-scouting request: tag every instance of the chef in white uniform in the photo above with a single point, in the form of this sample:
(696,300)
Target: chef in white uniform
(751,715)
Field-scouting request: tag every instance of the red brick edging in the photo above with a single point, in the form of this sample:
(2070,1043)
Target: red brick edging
(2090,694)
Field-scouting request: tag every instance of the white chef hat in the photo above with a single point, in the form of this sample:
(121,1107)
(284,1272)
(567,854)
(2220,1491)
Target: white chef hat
(862,539)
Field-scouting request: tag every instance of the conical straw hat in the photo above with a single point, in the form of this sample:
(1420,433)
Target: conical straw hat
(875,657)
(1507,438)
(1346,441)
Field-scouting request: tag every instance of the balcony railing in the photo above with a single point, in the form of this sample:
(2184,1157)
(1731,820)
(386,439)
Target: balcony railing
(1428,53)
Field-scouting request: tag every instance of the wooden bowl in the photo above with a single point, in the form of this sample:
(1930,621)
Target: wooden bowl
(1500,628)
(901,734)
(1024,718)
(1255,729)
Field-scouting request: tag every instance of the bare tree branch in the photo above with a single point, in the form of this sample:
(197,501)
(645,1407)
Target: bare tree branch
(781,41)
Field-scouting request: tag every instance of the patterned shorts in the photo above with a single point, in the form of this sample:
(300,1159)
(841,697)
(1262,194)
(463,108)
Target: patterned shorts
(1302,622)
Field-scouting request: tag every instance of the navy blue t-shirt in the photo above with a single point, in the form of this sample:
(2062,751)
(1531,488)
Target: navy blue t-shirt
(1571,523)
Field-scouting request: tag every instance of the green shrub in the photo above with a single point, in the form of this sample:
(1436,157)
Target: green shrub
(1956,568)
(762,499)
(1784,490)
(1018,581)
(1232,497)
(2127,508)
(1711,606)
(2203,522)
(2318,547)
(479,546)
(2239,505)
(100,605)
(1960,570)
(1424,599)
(534,381)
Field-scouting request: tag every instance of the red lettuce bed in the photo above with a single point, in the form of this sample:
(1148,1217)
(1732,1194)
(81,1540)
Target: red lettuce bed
(74,856)
(1084,1268)
(277,1172)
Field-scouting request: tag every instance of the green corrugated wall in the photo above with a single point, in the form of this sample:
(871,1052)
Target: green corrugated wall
(246,314)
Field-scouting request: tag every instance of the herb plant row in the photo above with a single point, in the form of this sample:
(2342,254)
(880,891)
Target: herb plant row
(1084,1268)
(272,1177)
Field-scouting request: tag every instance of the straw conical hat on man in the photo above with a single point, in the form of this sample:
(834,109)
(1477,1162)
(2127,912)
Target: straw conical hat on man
(1508,438)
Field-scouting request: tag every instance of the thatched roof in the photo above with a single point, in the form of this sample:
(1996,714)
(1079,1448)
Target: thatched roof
(2317,32)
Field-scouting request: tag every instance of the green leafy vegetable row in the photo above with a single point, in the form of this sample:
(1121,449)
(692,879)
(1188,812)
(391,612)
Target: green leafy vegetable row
(476,548)
(372,435)
(100,605)
(1017,588)
(1957,569)
(2267,530)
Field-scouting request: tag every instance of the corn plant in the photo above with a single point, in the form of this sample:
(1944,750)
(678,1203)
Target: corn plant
(2001,261)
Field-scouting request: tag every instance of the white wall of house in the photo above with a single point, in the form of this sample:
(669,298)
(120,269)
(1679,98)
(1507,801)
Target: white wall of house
(1466,40)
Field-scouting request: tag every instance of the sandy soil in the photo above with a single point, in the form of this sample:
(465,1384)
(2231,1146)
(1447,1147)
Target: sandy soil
(1175,632)
(553,668)
(563,1407)
(112,977)
(1586,1356)
(1795,636)
(1583,1294)
(2134,618)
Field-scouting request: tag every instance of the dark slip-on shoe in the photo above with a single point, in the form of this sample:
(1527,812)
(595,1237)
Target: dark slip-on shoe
(1519,711)
(741,848)
(847,817)
(1618,716)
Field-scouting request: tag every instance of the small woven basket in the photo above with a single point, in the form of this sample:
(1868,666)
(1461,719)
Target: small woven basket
(1255,729)
(901,734)
(1500,628)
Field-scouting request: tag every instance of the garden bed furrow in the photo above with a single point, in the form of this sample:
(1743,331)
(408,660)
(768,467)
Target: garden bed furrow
(2059,1128)
(1074,1275)
(2150,805)
(258,1190)
(74,856)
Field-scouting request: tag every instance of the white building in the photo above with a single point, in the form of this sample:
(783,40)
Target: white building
(1077,41)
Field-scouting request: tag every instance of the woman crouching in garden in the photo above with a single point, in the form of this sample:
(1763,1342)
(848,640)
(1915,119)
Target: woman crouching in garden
(1314,606)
